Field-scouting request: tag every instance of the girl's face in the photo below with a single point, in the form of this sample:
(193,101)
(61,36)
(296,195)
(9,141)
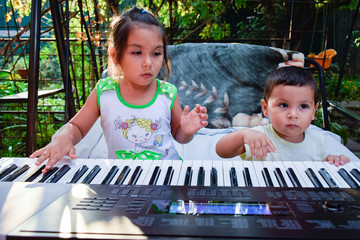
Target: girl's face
(291,110)
(143,56)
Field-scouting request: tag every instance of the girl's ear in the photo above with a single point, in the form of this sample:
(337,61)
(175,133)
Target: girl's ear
(264,107)
(112,53)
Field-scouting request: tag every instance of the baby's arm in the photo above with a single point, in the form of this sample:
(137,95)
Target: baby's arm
(233,144)
(337,160)
(184,124)
(64,142)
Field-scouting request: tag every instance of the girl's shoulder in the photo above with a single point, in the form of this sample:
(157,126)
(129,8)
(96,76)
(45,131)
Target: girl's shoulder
(105,84)
(168,89)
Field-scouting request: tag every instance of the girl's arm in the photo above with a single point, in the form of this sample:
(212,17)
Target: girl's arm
(184,124)
(233,144)
(64,142)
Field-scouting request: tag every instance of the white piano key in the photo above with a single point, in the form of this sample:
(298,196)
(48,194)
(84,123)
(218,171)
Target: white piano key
(145,171)
(258,166)
(315,167)
(105,165)
(182,174)
(333,171)
(165,164)
(300,168)
(271,168)
(227,165)
(176,164)
(74,164)
(121,163)
(31,163)
(195,168)
(238,165)
(207,164)
(150,172)
(283,168)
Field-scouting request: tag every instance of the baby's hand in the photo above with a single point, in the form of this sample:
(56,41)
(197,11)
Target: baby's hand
(192,121)
(260,145)
(337,160)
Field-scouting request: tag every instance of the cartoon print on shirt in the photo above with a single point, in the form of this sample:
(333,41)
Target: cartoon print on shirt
(139,131)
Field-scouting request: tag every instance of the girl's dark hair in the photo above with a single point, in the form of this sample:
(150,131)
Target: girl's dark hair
(291,76)
(121,26)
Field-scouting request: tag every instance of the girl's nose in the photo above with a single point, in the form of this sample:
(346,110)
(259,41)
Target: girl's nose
(292,114)
(146,62)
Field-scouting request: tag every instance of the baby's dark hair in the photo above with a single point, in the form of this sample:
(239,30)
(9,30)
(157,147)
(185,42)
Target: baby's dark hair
(121,26)
(290,76)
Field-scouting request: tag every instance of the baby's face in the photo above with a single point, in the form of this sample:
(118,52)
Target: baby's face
(291,110)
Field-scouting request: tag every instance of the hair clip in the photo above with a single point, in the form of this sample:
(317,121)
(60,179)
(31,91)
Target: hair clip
(144,11)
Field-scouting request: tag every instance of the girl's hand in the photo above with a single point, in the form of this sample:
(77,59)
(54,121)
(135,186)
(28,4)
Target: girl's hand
(54,152)
(192,121)
(260,145)
(337,160)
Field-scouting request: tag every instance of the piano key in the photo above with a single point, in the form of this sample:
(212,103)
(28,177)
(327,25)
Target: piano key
(164,165)
(253,177)
(59,174)
(48,174)
(233,177)
(280,177)
(169,175)
(280,165)
(195,171)
(314,179)
(201,177)
(176,174)
(226,170)
(316,166)
(328,178)
(150,172)
(182,173)
(347,177)
(207,172)
(79,173)
(271,169)
(294,179)
(218,165)
(16,173)
(348,167)
(188,176)
(135,176)
(258,166)
(267,178)
(104,166)
(146,164)
(155,176)
(123,174)
(110,175)
(301,173)
(213,177)
(34,174)
(237,164)
(247,177)
(7,170)
(333,171)
(356,173)
(91,175)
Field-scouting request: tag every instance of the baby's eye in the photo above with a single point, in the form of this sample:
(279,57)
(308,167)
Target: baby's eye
(283,105)
(157,53)
(304,106)
(136,53)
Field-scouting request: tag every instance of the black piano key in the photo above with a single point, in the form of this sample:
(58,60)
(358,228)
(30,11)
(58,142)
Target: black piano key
(328,179)
(267,177)
(79,173)
(233,177)
(48,174)
(247,177)
(59,174)
(120,180)
(168,176)
(7,170)
(355,173)
(155,176)
(188,176)
(16,174)
(280,177)
(313,178)
(111,174)
(135,176)
(293,178)
(35,174)
(201,177)
(92,174)
(213,177)
(347,177)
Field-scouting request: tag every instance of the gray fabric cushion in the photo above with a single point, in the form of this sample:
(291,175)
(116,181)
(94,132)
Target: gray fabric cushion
(226,78)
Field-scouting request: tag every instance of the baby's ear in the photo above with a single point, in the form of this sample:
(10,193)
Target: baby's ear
(112,53)
(264,107)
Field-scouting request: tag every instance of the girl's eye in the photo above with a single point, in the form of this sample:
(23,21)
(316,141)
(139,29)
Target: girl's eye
(157,53)
(284,105)
(136,53)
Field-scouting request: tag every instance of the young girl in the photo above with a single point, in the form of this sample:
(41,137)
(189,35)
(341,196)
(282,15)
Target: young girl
(140,115)
(290,102)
